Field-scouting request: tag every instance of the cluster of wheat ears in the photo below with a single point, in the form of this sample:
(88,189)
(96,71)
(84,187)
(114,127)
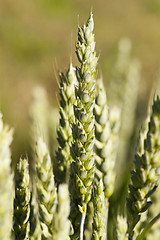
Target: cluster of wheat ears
(70,198)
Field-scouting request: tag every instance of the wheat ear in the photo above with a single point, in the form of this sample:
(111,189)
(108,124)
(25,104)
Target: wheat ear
(67,99)
(145,175)
(21,224)
(82,167)
(105,141)
(46,189)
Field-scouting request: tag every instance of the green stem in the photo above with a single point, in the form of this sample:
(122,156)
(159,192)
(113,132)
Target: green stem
(148,227)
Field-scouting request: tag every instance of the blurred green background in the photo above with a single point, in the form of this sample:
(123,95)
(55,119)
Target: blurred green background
(37,40)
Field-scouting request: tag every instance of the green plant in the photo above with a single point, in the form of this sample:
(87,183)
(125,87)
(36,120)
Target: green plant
(75,204)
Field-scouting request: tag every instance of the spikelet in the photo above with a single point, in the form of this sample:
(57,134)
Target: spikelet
(142,136)
(21,224)
(67,99)
(6,181)
(61,224)
(82,167)
(46,190)
(99,212)
(146,173)
(106,134)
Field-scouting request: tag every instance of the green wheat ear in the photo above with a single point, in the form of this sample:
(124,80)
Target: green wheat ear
(6,181)
(144,177)
(106,133)
(82,167)
(140,151)
(67,99)
(21,224)
(106,142)
(46,189)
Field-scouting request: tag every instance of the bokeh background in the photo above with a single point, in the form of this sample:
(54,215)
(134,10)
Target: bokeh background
(37,40)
